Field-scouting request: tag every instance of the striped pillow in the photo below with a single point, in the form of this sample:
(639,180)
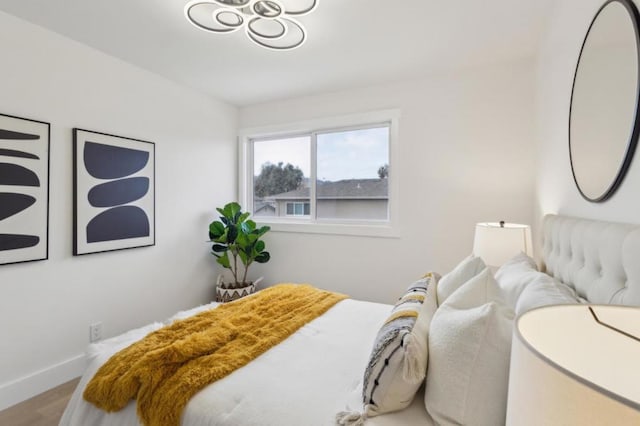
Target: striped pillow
(398,361)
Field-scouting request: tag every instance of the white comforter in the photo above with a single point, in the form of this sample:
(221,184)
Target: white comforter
(304,381)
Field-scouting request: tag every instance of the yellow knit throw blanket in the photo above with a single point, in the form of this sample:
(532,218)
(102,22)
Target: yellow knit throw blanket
(167,367)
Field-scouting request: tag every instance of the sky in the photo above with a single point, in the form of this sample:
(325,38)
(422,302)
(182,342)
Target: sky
(354,154)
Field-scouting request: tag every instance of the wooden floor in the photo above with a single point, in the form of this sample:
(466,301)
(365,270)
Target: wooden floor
(41,410)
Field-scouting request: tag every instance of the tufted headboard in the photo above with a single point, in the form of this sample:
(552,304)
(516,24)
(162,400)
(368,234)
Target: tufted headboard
(601,260)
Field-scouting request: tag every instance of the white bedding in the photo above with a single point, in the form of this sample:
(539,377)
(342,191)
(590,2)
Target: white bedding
(304,381)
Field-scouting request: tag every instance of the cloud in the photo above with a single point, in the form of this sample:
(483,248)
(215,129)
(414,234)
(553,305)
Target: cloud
(353,154)
(296,151)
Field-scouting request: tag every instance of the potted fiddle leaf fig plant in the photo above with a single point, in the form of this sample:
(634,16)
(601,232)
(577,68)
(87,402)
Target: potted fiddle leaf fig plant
(236,245)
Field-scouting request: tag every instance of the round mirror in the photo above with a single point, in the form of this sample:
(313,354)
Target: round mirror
(603,117)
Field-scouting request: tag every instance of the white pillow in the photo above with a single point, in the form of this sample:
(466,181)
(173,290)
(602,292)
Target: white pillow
(469,352)
(468,375)
(463,272)
(545,290)
(514,276)
(480,289)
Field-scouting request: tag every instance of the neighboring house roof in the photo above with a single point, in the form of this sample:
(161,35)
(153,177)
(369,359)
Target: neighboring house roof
(259,206)
(363,189)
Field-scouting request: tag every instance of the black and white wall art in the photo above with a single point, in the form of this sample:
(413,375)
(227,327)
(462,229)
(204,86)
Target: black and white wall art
(24,189)
(114,192)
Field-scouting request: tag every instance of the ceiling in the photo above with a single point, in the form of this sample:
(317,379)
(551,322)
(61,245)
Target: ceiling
(351,43)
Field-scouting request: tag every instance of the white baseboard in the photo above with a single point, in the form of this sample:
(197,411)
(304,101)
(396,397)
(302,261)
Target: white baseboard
(12,393)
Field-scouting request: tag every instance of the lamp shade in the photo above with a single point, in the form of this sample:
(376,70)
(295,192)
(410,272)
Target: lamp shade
(568,369)
(496,243)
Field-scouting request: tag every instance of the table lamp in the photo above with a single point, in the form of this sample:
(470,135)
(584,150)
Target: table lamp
(575,365)
(498,242)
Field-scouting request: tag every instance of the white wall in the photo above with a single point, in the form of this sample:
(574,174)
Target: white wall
(465,156)
(555,189)
(46,307)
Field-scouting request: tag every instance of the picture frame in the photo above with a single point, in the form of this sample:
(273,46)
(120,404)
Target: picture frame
(24,189)
(113,192)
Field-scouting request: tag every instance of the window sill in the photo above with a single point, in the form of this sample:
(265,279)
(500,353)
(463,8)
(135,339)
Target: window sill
(385,230)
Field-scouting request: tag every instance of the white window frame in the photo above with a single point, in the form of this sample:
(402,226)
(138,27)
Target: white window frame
(310,224)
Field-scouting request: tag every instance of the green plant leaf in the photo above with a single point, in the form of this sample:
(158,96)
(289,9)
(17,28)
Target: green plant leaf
(259,247)
(232,209)
(263,230)
(220,211)
(251,224)
(242,239)
(224,261)
(245,228)
(216,229)
(232,234)
(263,257)
(243,217)
(243,257)
(219,248)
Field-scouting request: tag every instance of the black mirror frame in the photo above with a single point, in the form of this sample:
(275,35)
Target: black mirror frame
(633,140)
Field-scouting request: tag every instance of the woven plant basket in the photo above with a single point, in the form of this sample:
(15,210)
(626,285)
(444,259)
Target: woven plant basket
(224,295)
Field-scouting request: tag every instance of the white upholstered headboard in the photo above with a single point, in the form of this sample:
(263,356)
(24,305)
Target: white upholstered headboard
(601,260)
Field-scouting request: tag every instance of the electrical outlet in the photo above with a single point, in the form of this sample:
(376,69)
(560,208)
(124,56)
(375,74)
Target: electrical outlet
(95,332)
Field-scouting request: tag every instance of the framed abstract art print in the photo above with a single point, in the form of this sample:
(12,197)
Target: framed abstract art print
(114,192)
(24,189)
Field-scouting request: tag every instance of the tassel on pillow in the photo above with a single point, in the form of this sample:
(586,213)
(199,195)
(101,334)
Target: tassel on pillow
(350,418)
(414,368)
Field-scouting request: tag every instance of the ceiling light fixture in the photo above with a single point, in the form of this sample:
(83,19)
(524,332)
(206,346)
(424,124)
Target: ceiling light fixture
(268,23)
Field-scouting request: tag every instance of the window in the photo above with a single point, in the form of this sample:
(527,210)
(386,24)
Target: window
(298,209)
(326,174)
(281,174)
(352,170)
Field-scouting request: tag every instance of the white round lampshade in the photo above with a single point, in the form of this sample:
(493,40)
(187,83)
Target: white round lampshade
(496,242)
(567,369)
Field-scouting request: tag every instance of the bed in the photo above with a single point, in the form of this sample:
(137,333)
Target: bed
(281,379)
(318,371)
